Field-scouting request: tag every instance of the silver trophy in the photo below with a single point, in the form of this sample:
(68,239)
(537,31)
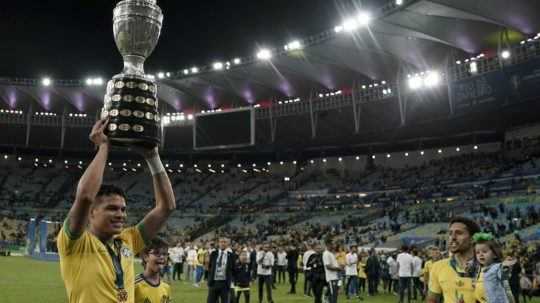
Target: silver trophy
(131,100)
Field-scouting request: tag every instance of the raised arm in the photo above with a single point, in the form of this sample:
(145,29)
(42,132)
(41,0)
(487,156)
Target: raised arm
(164,196)
(90,182)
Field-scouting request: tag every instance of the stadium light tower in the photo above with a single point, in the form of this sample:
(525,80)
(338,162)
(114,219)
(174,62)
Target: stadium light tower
(264,54)
(350,25)
(294,45)
(46,81)
(218,66)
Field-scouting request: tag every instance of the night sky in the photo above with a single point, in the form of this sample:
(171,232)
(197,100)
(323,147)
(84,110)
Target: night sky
(72,39)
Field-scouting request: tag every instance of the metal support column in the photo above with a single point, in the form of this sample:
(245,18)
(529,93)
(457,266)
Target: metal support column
(402,100)
(448,75)
(273,122)
(28,124)
(63,131)
(312,116)
(356,108)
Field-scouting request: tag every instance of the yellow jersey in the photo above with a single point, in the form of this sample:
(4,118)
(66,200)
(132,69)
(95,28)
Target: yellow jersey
(201,255)
(145,292)
(87,268)
(479,290)
(445,281)
(361,269)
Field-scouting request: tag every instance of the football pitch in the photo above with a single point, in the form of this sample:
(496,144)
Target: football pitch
(24,280)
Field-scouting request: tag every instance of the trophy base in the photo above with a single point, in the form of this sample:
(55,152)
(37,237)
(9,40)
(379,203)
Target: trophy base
(129,142)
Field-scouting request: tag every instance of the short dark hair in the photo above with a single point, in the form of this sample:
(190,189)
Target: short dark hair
(472,227)
(155,244)
(110,190)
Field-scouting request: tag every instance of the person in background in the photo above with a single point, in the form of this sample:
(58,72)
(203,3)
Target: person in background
(265,262)
(281,265)
(394,274)
(220,273)
(242,277)
(292,268)
(177,256)
(317,274)
(191,259)
(417,272)
(373,272)
(148,286)
(307,280)
(434,255)
(351,272)
(362,277)
(405,264)
(492,283)
(332,269)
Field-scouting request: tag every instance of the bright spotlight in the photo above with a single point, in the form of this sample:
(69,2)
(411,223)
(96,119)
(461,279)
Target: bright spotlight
(237,61)
(194,70)
(186,71)
(415,83)
(264,54)
(89,82)
(218,66)
(294,45)
(474,68)
(98,81)
(505,54)
(350,25)
(399,2)
(432,79)
(364,18)
(46,81)
(161,75)
(338,29)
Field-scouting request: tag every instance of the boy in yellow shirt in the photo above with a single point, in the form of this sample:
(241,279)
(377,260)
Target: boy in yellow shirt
(148,286)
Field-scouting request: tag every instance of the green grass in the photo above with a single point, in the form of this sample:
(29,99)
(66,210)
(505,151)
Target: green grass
(23,280)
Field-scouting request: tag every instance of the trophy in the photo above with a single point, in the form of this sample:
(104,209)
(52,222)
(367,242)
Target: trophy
(131,100)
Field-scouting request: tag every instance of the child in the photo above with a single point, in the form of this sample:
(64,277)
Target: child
(242,277)
(492,283)
(148,286)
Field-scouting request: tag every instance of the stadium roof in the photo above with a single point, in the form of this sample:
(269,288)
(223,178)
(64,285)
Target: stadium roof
(412,36)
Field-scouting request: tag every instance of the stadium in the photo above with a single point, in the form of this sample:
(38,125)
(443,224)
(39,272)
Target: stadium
(366,138)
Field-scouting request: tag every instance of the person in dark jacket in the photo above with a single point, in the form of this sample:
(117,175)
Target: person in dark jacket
(242,277)
(220,273)
(317,274)
(373,270)
(292,268)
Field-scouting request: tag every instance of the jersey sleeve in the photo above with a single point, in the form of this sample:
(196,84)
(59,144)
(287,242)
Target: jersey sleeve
(434,285)
(134,238)
(68,242)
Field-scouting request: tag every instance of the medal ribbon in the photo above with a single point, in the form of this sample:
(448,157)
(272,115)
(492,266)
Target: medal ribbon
(118,271)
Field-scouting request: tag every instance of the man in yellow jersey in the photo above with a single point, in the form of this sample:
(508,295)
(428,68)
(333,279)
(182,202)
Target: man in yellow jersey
(96,252)
(434,255)
(148,286)
(452,279)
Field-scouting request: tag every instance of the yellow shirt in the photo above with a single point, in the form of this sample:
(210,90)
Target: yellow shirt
(479,290)
(362,269)
(148,293)
(341,258)
(201,254)
(87,268)
(445,281)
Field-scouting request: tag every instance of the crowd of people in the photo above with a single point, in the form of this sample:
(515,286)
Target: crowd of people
(484,268)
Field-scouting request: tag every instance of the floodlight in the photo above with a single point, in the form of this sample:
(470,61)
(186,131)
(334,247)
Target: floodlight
(161,75)
(364,18)
(218,66)
(432,79)
(415,83)
(46,81)
(237,61)
(264,54)
(505,54)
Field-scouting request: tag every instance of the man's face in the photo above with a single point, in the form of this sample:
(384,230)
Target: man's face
(318,248)
(223,244)
(435,254)
(109,214)
(459,239)
(156,259)
(244,258)
(266,247)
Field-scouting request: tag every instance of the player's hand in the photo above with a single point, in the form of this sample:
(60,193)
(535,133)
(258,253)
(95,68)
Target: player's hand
(97,135)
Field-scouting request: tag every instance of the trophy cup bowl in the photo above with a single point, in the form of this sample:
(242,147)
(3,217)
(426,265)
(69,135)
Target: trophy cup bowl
(131,102)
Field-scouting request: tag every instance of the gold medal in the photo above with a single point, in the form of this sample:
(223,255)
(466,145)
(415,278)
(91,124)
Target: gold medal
(122,296)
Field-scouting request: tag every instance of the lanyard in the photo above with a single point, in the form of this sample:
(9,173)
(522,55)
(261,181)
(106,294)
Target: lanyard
(471,271)
(117,264)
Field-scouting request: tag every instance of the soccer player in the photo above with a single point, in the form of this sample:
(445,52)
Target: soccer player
(451,279)
(96,252)
(148,286)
